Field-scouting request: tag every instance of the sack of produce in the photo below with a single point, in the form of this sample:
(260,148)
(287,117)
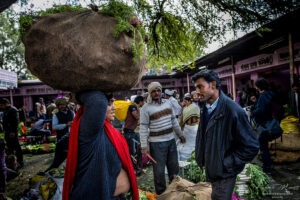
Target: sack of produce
(186,190)
(290,124)
(79,50)
(288,142)
(281,157)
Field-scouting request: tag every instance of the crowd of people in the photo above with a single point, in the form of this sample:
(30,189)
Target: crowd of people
(43,121)
(159,126)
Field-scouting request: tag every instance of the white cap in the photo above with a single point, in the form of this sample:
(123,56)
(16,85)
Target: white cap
(187,95)
(169,92)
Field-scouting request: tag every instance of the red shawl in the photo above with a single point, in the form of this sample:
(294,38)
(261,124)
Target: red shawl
(116,139)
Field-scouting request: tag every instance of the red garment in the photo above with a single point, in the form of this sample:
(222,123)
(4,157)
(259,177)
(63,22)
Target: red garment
(23,128)
(116,139)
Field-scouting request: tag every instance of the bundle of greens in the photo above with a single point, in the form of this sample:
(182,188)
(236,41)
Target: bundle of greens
(252,183)
(194,173)
(258,184)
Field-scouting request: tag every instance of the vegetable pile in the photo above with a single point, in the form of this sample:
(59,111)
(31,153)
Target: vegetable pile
(252,183)
(197,174)
(38,148)
(145,195)
(258,184)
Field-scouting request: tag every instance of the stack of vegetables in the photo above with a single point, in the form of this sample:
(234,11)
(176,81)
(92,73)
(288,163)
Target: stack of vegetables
(36,144)
(252,183)
(38,148)
(145,195)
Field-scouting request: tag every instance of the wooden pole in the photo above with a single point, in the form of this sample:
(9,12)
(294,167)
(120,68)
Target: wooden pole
(233,80)
(291,56)
(188,82)
(11,97)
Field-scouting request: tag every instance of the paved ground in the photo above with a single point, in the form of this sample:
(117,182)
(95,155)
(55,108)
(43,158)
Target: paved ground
(286,182)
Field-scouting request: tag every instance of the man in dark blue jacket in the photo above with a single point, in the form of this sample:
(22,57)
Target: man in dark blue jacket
(225,141)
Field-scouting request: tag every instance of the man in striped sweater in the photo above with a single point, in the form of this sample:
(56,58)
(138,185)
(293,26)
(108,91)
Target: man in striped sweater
(158,124)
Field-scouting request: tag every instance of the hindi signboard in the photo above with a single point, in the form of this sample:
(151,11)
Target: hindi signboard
(8,79)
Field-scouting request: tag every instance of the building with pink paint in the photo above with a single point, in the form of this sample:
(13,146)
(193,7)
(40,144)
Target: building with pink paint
(273,54)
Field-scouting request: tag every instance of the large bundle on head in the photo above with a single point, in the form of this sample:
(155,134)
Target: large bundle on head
(76,51)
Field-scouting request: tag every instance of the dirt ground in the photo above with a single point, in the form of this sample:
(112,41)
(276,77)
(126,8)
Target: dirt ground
(286,175)
(33,164)
(38,163)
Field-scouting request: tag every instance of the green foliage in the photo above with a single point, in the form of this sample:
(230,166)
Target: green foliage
(146,187)
(145,181)
(122,12)
(127,23)
(121,27)
(179,30)
(188,25)
(25,23)
(197,174)
(258,185)
(27,19)
(60,9)
(143,195)
(11,49)
(138,46)
(174,41)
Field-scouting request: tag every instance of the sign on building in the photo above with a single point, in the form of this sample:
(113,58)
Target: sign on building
(8,79)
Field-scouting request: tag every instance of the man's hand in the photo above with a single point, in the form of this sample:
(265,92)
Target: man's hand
(182,139)
(145,150)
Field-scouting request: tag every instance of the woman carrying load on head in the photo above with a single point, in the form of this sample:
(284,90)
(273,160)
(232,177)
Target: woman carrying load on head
(98,162)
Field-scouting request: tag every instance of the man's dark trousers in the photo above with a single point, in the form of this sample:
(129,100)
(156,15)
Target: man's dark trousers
(165,154)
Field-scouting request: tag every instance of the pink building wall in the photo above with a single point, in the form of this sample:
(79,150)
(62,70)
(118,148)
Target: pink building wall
(275,66)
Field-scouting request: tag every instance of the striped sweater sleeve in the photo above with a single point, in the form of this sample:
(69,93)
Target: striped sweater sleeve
(144,126)
(175,124)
